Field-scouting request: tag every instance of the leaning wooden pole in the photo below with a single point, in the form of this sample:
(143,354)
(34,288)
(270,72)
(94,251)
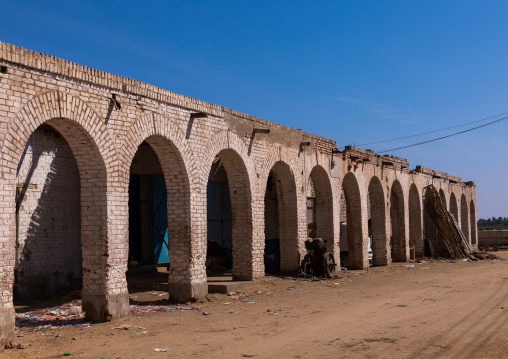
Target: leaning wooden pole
(447,226)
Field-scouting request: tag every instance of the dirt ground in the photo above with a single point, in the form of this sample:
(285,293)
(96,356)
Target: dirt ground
(433,309)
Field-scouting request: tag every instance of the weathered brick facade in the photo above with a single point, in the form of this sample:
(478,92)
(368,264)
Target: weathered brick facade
(104,119)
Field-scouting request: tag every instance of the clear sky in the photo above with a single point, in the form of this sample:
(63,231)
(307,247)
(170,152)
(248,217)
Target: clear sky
(352,71)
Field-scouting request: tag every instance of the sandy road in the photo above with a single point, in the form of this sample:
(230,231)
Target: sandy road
(445,310)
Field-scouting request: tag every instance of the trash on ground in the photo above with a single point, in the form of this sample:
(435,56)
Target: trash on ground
(137,307)
(160,350)
(51,318)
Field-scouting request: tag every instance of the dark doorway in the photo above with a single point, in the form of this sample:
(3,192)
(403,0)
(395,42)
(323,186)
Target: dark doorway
(219,258)
(272,227)
(148,223)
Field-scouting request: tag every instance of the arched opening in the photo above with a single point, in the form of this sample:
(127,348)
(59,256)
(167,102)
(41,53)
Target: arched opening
(464,217)
(415,222)
(320,207)
(159,215)
(48,218)
(377,223)
(351,232)
(281,233)
(398,234)
(61,212)
(454,209)
(219,257)
(229,222)
(148,219)
(433,241)
(472,216)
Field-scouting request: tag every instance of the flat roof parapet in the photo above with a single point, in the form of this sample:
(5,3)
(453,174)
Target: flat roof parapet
(374,158)
(437,174)
(43,62)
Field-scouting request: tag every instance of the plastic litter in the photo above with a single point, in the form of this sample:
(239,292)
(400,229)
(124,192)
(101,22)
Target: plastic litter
(67,354)
(137,307)
(160,350)
(51,318)
(61,317)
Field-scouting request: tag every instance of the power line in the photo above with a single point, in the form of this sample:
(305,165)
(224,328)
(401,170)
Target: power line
(434,131)
(440,138)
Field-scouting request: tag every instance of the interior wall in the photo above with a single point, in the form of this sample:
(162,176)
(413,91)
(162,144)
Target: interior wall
(48,254)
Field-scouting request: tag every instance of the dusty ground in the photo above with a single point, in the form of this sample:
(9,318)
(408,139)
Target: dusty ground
(436,309)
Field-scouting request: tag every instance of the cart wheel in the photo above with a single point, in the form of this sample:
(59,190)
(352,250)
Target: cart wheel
(329,265)
(307,265)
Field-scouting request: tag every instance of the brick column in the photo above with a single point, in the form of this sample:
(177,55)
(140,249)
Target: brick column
(105,251)
(258,236)
(187,243)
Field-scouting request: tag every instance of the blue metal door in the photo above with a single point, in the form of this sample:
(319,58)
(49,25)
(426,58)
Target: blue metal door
(160,220)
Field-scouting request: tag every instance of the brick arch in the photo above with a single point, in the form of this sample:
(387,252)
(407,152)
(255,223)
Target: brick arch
(227,140)
(241,212)
(276,154)
(415,221)
(104,287)
(454,209)
(288,215)
(355,233)
(398,223)
(378,222)
(157,125)
(240,173)
(472,219)
(324,205)
(187,243)
(54,105)
(180,236)
(464,217)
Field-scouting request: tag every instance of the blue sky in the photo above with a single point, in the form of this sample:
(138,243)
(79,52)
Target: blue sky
(353,71)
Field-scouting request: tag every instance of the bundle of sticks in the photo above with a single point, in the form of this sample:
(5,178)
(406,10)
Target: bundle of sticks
(447,226)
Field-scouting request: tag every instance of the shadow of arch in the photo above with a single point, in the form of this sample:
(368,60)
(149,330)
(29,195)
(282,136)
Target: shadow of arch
(47,217)
(415,221)
(398,223)
(443,198)
(378,222)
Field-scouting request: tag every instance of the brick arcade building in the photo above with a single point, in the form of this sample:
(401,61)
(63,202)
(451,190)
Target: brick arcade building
(98,171)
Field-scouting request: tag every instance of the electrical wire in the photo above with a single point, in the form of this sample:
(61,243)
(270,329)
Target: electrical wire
(451,135)
(434,131)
